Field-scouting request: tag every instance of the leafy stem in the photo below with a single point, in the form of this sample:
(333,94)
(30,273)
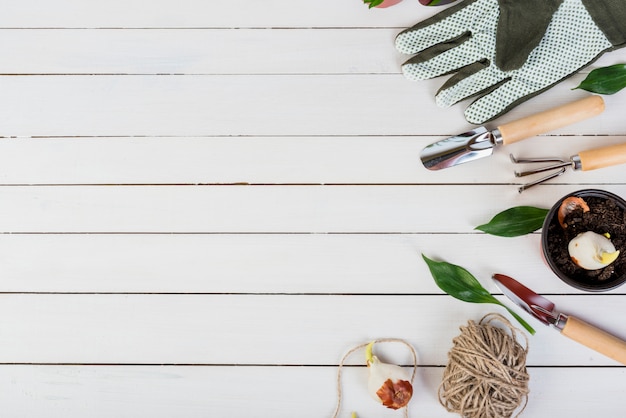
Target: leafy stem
(461,284)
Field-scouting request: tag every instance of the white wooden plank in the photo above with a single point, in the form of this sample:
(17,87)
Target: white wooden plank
(206,105)
(124,391)
(260,209)
(208,51)
(275,160)
(243,105)
(213,13)
(252,263)
(199,51)
(264,329)
(279,94)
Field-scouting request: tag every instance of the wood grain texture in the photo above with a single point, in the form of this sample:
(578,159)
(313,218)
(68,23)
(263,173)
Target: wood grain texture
(291,160)
(260,209)
(262,329)
(102,391)
(164,391)
(205,204)
(244,105)
(261,263)
(200,51)
(208,14)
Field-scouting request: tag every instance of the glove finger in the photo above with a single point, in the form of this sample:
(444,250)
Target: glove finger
(444,27)
(472,80)
(433,62)
(500,100)
(530,80)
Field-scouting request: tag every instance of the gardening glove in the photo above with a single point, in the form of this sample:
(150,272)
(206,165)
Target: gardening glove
(506,51)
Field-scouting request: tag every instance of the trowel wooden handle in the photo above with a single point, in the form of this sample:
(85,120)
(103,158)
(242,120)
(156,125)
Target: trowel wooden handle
(551,119)
(595,338)
(602,157)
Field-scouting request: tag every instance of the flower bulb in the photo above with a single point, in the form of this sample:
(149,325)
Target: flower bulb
(388,383)
(592,251)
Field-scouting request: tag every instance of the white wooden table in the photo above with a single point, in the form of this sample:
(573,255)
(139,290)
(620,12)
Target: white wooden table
(205,204)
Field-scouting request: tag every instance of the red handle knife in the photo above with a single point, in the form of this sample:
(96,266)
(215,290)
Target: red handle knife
(570,326)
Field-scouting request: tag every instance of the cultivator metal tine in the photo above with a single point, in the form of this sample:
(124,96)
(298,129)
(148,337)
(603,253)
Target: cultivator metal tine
(557,169)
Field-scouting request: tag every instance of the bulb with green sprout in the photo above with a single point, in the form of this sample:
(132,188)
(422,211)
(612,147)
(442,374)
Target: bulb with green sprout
(592,251)
(388,383)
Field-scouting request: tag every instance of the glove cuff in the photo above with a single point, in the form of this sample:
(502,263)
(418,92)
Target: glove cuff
(610,16)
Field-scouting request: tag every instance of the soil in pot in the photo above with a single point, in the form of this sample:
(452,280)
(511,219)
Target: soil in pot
(604,216)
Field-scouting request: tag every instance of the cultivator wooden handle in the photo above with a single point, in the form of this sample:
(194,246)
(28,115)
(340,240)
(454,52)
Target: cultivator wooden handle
(602,157)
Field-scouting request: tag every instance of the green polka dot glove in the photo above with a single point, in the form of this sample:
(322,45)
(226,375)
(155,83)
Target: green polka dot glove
(506,51)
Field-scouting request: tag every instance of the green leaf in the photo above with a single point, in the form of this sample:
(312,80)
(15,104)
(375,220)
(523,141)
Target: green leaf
(458,282)
(605,80)
(516,221)
(461,284)
(372,3)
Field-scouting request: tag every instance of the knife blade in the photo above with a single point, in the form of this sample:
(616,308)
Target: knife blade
(480,142)
(570,326)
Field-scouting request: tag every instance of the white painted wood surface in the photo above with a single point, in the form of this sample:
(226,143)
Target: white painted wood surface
(204,205)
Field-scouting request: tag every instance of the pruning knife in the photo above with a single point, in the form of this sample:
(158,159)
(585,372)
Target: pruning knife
(570,326)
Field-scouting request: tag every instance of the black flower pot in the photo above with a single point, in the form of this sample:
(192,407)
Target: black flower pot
(607,214)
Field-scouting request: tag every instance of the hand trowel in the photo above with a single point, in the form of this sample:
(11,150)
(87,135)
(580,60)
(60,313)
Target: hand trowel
(480,142)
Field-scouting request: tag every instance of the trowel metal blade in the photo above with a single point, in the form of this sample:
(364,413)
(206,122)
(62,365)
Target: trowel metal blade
(459,149)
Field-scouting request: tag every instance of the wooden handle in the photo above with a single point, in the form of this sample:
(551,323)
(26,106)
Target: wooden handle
(602,157)
(551,119)
(595,338)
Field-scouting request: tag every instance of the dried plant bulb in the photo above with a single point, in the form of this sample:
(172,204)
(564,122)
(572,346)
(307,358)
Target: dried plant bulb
(568,206)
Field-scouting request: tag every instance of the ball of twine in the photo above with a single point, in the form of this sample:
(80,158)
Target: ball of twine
(486,372)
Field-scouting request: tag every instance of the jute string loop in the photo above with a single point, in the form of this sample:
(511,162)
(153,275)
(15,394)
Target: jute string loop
(362,346)
(486,374)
